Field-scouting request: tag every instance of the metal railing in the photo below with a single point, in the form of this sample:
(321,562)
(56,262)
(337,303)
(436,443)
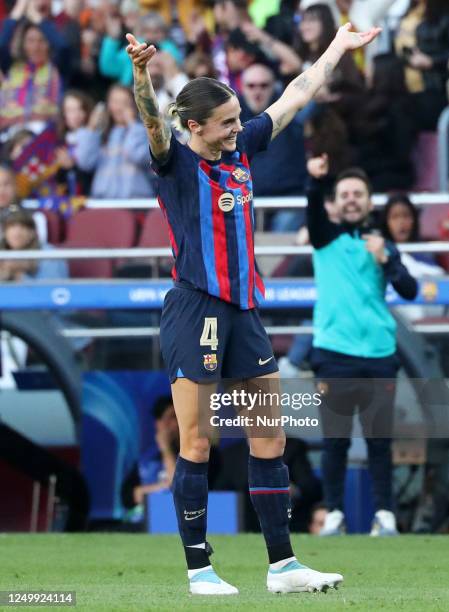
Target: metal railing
(379,199)
(272,330)
(139,253)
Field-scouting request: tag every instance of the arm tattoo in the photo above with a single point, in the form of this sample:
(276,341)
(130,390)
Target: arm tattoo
(328,70)
(158,131)
(145,98)
(302,82)
(278,125)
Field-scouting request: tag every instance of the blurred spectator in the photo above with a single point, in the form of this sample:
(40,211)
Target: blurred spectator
(114,61)
(93,26)
(229,15)
(363,15)
(178,13)
(68,24)
(31,90)
(316,30)
(316,524)
(157,465)
(326,132)
(385,128)
(400,224)
(423,43)
(19,234)
(75,115)
(278,54)
(9,202)
(240,54)
(115,147)
(283,25)
(199,64)
(405,42)
(281,170)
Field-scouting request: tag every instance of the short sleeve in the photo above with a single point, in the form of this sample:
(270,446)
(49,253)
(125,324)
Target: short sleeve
(256,134)
(164,167)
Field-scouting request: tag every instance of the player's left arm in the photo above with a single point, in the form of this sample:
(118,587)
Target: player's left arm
(301,90)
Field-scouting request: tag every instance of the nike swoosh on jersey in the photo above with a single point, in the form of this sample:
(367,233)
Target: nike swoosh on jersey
(264,361)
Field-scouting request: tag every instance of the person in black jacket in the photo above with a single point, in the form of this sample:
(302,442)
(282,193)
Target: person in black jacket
(430,57)
(385,129)
(354,354)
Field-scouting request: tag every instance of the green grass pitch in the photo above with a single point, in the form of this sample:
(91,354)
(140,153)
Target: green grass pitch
(142,572)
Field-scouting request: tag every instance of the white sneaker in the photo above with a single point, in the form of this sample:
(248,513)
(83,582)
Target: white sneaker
(334,524)
(296,578)
(384,524)
(206,582)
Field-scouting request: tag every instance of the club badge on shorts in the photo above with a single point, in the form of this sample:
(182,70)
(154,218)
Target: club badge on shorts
(210,362)
(240,175)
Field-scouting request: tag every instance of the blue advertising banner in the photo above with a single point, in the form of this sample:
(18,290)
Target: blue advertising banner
(149,294)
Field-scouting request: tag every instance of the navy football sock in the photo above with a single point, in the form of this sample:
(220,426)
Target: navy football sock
(190,496)
(269,489)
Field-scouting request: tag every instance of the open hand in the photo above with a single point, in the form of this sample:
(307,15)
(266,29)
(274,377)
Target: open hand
(140,53)
(348,40)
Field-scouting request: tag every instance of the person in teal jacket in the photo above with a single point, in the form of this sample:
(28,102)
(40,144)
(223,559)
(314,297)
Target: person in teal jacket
(354,347)
(114,61)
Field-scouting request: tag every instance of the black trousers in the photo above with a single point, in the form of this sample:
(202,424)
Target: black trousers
(365,386)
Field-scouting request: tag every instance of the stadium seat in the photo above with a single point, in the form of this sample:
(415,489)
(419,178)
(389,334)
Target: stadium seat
(425,161)
(431,219)
(55,226)
(105,228)
(443,258)
(153,235)
(154,232)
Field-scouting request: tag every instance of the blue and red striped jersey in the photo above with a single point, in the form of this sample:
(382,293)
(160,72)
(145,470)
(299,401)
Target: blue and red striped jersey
(209,209)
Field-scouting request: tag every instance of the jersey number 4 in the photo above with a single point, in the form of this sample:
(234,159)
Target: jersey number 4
(209,336)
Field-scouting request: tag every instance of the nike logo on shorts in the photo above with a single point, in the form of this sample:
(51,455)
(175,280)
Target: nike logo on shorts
(193,514)
(264,361)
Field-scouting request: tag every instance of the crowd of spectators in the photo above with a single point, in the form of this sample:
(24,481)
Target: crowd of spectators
(64,64)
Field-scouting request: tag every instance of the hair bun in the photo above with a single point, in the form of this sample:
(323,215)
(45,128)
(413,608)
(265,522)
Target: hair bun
(172,110)
(173,116)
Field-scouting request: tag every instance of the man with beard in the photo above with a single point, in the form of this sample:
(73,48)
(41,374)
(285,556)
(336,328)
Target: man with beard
(281,169)
(354,354)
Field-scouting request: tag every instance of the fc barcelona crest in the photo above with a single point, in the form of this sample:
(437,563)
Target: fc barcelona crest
(210,362)
(240,175)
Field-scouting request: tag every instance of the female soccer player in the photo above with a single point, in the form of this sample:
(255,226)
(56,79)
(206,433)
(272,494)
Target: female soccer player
(210,327)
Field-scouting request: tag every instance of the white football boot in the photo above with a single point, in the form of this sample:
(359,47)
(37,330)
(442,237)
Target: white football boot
(206,582)
(294,577)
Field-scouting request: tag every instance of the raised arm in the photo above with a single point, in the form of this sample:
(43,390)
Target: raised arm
(301,90)
(159,133)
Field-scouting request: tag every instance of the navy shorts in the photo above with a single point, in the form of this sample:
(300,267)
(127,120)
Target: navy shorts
(206,339)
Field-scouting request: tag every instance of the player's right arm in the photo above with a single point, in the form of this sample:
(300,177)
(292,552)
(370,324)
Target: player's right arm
(158,131)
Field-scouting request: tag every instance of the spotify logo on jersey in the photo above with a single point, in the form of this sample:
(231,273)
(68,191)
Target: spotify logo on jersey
(226,202)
